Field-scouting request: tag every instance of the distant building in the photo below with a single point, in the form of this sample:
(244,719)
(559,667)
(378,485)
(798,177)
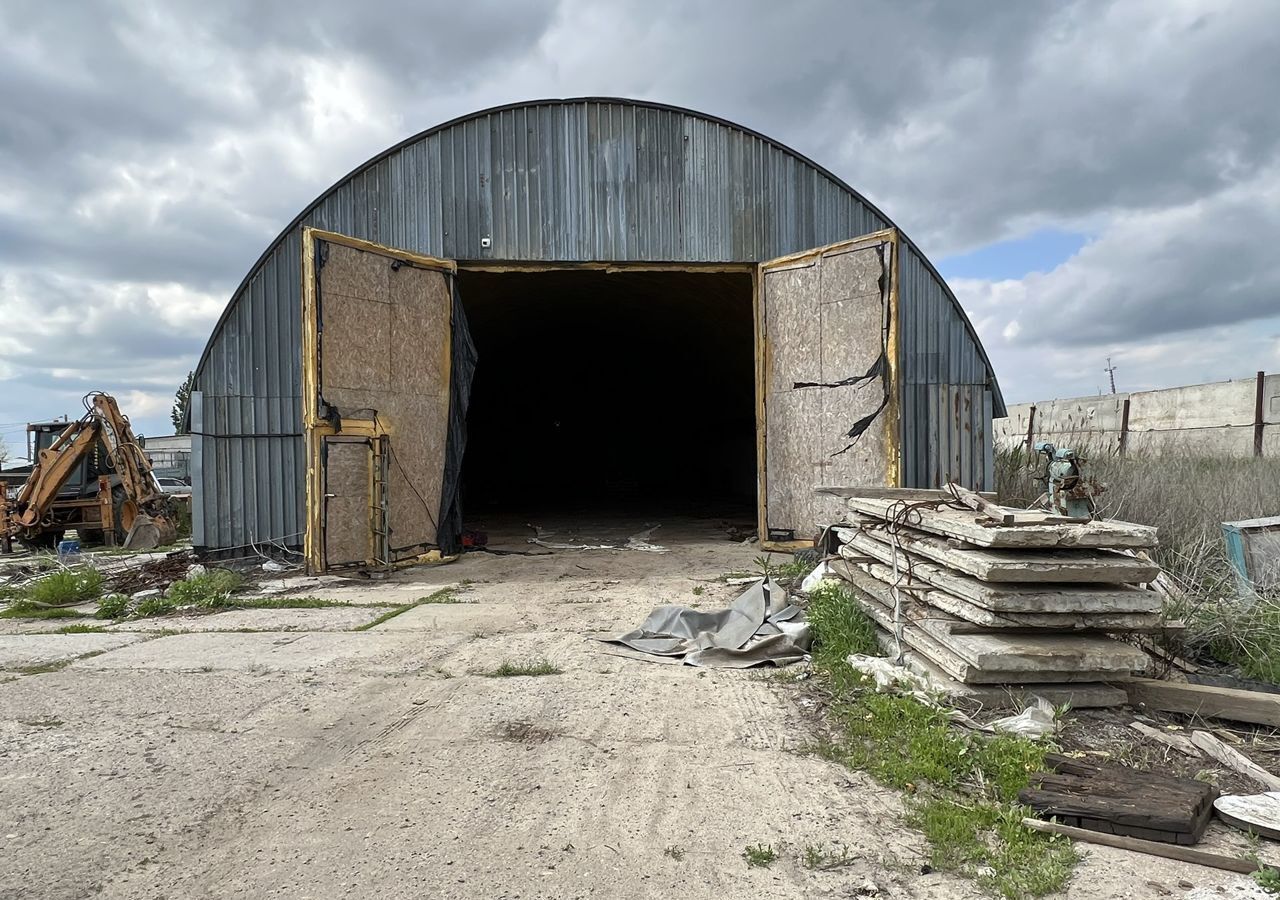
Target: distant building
(170,455)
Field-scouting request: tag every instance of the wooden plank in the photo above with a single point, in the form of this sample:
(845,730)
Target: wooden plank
(1152,848)
(1173,740)
(965,526)
(1032,565)
(974,618)
(894,493)
(1039,597)
(1210,702)
(1004,515)
(1236,760)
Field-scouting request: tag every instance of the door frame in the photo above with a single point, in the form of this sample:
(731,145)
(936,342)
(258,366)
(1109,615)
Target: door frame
(315,428)
(764,360)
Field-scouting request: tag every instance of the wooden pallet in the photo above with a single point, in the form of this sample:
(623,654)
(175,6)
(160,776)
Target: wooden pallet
(1119,800)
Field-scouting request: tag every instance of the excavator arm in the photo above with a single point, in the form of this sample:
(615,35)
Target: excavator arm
(53,467)
(136,506)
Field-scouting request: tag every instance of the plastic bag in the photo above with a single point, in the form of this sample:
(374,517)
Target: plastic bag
(1036,721)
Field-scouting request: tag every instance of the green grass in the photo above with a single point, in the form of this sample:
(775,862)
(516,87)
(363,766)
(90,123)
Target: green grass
(530,667)
(988,842)
(56,665)
(759,855)
(840,629)
(159,605)
(17,611)
(269,602)
(112,606)
(211,589)
(444,595)
(963,786)
(81,629)
(69,586)
(819,856)
(46,597)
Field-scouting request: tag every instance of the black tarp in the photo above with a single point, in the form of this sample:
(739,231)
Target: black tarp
(463,367)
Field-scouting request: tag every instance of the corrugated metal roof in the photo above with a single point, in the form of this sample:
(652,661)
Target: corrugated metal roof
(593,179)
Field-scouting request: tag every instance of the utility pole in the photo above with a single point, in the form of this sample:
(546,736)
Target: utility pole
(1111,370)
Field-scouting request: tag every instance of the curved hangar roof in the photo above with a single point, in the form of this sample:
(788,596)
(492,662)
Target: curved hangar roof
(589,179)
(592,179)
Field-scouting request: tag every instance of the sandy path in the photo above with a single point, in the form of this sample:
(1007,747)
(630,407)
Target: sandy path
(328,764)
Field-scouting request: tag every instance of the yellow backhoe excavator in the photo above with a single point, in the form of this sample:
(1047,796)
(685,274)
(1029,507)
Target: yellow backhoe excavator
(126,506)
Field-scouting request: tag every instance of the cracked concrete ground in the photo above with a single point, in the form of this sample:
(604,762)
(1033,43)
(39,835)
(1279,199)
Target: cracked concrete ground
(303,760)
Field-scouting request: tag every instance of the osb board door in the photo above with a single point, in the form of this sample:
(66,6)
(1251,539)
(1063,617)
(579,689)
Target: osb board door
(829,363)
(348,501)
(384,343)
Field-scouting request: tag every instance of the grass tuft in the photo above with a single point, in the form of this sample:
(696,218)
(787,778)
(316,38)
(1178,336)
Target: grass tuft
(81,629)
(69,586)
(759,855)
(444,595)
(17,611)
(211,589)
(819,856)
(530,667)
(113,606)
(48,597)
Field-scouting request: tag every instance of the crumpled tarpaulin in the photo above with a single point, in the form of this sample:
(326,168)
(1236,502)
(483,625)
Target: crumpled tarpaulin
(760,627)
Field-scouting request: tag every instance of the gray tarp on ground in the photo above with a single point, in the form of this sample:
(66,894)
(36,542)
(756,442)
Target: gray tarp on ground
(760,627)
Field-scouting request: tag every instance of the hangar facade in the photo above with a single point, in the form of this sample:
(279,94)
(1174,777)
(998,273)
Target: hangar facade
(597,304)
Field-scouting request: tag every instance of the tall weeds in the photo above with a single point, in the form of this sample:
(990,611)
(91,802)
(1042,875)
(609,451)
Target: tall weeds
(1187,496)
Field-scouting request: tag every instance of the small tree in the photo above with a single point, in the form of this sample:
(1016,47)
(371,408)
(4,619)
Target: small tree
(181,401)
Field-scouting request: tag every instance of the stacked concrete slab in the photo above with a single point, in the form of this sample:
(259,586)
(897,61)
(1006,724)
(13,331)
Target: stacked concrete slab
(1030,602)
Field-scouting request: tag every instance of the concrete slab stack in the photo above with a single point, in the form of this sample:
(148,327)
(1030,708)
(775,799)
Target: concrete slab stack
(1027,603)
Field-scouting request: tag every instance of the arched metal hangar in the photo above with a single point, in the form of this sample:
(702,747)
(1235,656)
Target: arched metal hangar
(598,305)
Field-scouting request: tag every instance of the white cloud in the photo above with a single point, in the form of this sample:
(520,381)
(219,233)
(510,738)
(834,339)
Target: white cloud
(152,150)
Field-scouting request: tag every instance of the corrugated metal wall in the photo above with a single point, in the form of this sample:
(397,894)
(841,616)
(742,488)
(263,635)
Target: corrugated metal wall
(561,181)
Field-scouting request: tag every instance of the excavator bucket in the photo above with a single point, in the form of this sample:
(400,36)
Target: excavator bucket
(149,532)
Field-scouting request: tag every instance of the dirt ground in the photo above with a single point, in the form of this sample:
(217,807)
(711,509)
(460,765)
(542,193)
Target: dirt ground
(286,756)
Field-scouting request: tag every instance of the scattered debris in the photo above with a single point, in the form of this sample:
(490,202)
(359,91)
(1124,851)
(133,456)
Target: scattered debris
(1173,740)
(154,573)
(637,541)
(1234,759)
(760,627)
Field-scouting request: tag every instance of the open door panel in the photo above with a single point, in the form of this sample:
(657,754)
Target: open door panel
(376,356)
(829,381)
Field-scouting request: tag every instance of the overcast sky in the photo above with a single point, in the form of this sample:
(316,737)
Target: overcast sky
(1095,179)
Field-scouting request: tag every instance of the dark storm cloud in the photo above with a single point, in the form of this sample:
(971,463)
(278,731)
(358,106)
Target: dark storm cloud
(150,151)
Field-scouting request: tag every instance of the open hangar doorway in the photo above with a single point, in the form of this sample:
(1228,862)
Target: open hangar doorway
(606,393)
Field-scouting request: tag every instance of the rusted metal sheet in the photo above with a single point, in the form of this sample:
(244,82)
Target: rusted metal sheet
(559,180)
